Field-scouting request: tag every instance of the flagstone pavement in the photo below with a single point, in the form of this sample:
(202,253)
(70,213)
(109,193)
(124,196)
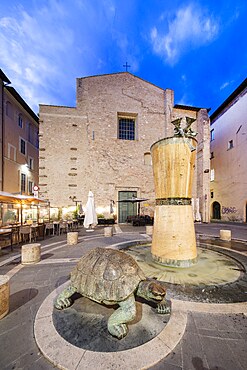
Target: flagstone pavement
(198,335)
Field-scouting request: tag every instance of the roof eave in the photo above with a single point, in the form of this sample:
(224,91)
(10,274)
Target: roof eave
(230,98)
(4,78)
(189,107)
(17,96)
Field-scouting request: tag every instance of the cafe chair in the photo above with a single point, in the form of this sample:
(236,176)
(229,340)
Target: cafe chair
(15,234)
(49,228)
(26,233)
(63,227)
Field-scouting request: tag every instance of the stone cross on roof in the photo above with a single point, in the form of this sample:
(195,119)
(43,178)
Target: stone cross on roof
(126,65)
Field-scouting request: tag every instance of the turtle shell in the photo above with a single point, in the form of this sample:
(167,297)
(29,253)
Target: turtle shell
(106,275)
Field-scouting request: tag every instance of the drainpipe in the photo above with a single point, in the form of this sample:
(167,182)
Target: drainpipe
(7,82)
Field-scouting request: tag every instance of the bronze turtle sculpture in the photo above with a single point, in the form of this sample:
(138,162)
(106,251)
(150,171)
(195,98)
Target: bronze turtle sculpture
(110,276)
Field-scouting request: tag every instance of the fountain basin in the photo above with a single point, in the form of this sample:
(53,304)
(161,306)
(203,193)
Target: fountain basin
(212,268)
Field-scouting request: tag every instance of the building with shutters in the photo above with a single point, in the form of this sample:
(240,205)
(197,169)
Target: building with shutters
(228,135)
(19,145)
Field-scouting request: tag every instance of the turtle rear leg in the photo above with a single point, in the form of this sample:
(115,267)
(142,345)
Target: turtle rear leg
(63,299)
(124,314)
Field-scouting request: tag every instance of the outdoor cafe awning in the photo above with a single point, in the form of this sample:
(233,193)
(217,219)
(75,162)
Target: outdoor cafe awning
(10,198)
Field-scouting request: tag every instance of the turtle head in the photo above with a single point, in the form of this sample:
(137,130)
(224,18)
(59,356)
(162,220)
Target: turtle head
(152,290)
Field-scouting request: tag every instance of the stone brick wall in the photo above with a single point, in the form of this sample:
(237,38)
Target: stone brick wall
(80,149)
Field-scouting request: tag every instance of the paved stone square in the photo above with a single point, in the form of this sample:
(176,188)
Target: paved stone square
(197,336)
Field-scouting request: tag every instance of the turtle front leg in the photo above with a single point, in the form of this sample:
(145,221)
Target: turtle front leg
(163,308)
(63,299)
(125,313)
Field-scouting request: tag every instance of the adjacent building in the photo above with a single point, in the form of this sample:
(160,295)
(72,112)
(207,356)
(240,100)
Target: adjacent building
(19,143)
(228,185)
(103,144)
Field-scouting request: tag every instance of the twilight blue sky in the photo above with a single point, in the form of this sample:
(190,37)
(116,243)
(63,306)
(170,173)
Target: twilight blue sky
(198,48)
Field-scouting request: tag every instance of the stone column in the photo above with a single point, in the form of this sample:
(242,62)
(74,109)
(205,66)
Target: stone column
(174,241)
(72,238)
(149,229)
(225,235)
(198,215)
(4,295)
(193,208)
(108,231)
(30,253)
(203,163)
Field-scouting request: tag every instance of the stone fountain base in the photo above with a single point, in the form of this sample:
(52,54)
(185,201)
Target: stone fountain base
(218,277)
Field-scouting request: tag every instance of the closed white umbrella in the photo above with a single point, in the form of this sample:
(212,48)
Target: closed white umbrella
(90,219)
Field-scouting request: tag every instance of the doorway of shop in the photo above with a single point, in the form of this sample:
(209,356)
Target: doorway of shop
(126,209)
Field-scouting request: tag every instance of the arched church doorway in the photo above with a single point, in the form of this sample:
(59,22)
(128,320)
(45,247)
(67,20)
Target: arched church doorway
(216,211)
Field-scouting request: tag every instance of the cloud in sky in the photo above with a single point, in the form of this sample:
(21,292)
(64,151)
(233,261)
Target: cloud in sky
(45,45)
(32,48)
(44,48)
(224,85)
(190,27)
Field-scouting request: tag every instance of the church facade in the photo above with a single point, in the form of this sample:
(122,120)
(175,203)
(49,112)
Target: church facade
(103,145)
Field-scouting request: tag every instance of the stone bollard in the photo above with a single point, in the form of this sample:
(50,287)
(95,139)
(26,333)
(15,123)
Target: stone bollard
(225,235)
(72,238)
(149,229)
(4,295)
(30,253)
(108,231)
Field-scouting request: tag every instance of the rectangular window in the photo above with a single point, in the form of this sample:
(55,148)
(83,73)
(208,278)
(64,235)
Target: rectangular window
(212,135)
(126,128)
(9,110)
(20,121)
(30,163)
(230,144)
(22,146)
(11,152)
(211,155)
(23,183)
(30,187)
